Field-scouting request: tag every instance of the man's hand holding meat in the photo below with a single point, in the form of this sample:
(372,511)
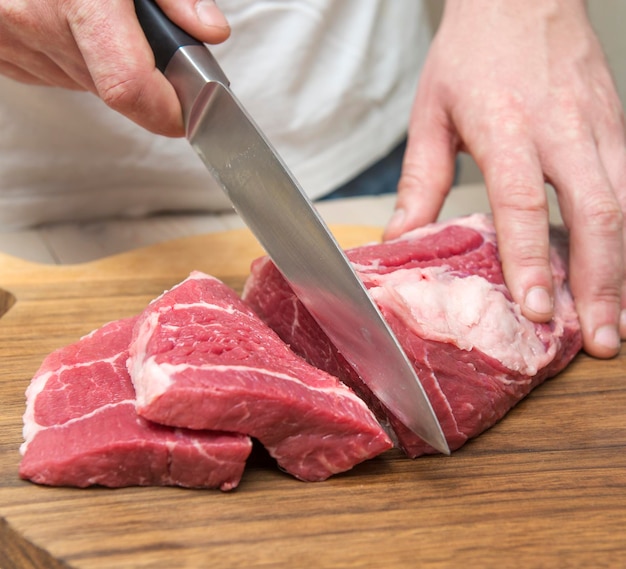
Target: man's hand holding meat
(524,87)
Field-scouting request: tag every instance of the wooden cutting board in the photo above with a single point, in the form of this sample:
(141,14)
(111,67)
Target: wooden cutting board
(546,487)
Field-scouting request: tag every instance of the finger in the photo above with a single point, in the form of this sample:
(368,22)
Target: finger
(18,74)
(122,66)
(71,63)
(514,180)
(36,39)
(612,150)
(595,218)
(427,174)
(37,68)
(201,19)
(622,315)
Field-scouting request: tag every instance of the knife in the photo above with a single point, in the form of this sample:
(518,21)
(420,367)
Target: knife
(275,208)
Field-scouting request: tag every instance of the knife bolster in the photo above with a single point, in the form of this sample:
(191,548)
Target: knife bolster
(194,73)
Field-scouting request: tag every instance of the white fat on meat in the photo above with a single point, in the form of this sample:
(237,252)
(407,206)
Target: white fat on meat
(31,426)
(467,311)
(140,365)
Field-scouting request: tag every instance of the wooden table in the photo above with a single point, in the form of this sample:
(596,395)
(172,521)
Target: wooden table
(546,487)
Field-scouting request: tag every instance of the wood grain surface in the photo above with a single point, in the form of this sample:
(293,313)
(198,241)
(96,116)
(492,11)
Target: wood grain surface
(546,487)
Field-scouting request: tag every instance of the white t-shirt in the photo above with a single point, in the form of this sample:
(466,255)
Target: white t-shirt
(330,82)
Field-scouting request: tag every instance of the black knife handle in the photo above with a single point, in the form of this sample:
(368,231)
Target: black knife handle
(164,37)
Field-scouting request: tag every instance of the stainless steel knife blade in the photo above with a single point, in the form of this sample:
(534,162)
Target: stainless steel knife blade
(276,209)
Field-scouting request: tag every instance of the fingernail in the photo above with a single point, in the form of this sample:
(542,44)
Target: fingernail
(622,322)
(210,15)
(538,300)
(607,336)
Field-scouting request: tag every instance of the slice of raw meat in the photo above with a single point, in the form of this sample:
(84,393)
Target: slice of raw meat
(202,359)
(81,427)
(442,291)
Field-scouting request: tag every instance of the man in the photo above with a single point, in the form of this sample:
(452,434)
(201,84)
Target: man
(522,85)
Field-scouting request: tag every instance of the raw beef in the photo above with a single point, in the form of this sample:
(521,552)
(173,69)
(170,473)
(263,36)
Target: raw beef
(202,359)
(442,291)
(81,427)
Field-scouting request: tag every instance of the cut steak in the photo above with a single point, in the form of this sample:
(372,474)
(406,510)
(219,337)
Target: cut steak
(81,427)
(442,291)
(200,358)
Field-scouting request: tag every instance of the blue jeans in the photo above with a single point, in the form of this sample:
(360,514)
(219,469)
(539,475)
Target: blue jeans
(380,178)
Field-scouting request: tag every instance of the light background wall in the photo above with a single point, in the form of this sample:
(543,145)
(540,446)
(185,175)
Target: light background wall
(608,18)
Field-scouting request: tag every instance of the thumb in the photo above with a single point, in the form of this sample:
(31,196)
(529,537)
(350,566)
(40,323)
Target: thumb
(427,174)
(201,19)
